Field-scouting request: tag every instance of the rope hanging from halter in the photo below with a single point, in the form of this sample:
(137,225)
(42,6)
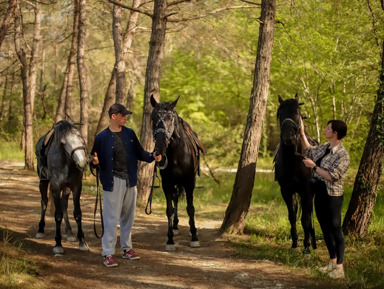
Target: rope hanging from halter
(98,200)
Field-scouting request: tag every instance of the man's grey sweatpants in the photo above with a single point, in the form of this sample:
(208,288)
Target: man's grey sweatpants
(118,204)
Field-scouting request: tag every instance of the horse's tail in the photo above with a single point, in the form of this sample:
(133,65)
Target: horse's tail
(180,191)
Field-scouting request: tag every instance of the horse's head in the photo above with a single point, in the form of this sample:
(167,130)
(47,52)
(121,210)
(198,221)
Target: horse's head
(289,116)
(164,123)
(67,135)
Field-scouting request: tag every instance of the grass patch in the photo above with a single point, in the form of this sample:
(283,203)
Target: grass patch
(11,151)
(15,271)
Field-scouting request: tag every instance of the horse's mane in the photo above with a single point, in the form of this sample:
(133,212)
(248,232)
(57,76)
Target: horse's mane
(62,128)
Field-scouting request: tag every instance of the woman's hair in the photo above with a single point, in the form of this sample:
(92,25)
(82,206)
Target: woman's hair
(340,127)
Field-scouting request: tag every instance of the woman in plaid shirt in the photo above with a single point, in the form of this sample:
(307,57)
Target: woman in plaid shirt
(329,162)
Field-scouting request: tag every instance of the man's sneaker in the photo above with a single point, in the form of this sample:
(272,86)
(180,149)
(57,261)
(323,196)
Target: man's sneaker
(109,261)
(328,268)
(338,273)
(131,255)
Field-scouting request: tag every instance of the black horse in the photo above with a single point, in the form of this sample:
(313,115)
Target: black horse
(179,146)
(62,159)
(291,173)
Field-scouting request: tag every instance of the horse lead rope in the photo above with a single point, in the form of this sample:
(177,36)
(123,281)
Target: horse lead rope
(98,198)
(149,201)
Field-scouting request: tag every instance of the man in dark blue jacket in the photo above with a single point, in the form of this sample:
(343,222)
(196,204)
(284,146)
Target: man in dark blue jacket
(117,150)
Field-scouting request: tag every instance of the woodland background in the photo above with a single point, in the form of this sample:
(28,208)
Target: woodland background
(326,51)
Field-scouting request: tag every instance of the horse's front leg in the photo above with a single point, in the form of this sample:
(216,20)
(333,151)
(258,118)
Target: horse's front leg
(291,202)
(64,203)
(191,213)
(76,192)
(56,190)
(175,227)
(43,186)
(169,191)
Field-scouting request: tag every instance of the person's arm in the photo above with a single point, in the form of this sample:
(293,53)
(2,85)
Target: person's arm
(304,141)
(320,171)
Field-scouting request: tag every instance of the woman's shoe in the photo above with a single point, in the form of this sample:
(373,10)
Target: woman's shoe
(328,268)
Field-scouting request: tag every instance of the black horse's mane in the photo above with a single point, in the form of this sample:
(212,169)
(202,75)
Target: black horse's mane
(62,129)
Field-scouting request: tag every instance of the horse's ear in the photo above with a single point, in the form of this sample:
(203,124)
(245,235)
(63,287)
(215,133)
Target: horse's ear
(68,118)
(297,97)
(153,101)
(173,104)
(280,99)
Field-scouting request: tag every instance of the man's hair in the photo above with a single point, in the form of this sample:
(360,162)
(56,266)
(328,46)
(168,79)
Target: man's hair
(340,127)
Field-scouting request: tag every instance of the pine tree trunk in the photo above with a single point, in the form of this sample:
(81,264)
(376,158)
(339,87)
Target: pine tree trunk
(28,75)
(119,58)
(234,220)
(65,99)
(364,193)
(152,87)
(111,91)
(82,71)
(7,19)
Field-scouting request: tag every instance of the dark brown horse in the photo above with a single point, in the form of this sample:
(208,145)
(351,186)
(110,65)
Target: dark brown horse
(291,173)
(175,141)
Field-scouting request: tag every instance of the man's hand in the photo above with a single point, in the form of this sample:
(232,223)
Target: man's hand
(95,159)
(157,157)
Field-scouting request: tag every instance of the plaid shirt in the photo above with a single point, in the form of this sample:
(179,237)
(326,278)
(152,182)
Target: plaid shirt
(336,163)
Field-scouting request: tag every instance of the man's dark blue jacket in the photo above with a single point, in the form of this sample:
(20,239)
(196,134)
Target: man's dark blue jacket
(103,146)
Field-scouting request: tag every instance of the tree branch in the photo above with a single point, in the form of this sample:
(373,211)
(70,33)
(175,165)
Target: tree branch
(182,1)
(253,3)
(208,14)
(131,8)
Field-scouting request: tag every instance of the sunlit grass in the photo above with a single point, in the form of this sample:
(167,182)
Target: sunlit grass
(11,151)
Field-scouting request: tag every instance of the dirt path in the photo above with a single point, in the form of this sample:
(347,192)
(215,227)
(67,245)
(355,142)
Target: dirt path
(211,266)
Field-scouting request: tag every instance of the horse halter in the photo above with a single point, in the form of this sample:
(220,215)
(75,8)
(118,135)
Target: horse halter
(71,150)
(168,131)
(297,135)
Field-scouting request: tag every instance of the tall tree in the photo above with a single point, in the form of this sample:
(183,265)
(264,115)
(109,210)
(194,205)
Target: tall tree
(28,75)
(82,71)
(152,87)
(112,93)
(234,220)
(65,98)
(364,193)
(119,53)
(7,19)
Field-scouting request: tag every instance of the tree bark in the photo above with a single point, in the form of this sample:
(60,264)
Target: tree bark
(111,91)
(152,87)
(65,99)
(364,193)
(7,19)
(234,220)
(28,75)
(119,57)
(82,71)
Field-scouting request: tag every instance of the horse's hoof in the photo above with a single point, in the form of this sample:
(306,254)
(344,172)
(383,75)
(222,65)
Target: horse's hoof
(194,244)
(71,238)
(84,248)
(40,235)
(175,232)
(58,250)
(170,248)
(307,254)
